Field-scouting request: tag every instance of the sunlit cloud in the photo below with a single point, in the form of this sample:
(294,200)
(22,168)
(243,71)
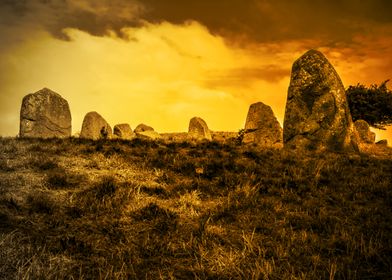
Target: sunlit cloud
(158,75)
(163,62)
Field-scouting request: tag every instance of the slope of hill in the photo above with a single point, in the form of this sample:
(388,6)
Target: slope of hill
(80,209)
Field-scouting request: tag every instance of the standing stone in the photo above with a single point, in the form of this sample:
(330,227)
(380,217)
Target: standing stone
(142,127)
(262,127)
(95,127)
(365,135)
(317,115)
(123,131)
(45,114)
(198,129)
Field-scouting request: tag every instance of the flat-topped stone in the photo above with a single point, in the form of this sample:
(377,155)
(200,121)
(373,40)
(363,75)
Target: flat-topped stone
(45,114)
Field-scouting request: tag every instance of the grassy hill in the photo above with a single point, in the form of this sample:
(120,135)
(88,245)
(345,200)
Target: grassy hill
(79,209)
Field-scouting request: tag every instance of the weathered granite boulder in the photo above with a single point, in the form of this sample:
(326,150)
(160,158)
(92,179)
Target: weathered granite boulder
(317,115)
(123,131)
(365,135)
(149,134)
(198,129)
(95,127)
(45,114)
(262,127)
(143,127)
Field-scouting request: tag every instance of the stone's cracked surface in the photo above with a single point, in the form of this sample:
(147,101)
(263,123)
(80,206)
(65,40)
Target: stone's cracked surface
(198,129)
(95,127)
(317,115)
(262,127)
(45,114)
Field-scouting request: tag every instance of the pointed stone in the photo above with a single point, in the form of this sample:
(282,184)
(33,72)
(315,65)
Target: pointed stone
(262,127)
(317,115)
(198,129)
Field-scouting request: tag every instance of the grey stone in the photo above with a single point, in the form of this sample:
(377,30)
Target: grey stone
(45,114)
(198,129)
(317,115)
(262,127)
(95,127)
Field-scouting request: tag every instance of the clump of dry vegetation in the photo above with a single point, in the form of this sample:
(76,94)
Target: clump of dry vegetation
(80,209)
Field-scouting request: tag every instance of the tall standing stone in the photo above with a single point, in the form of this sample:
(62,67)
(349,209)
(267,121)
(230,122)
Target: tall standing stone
(198,129)
(317,115)
(123,131)
(45,114)
(95,127)
(262,127)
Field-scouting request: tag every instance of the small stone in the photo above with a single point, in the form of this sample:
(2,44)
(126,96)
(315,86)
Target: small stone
(95,127)
(262,127)
(383,143)
(123,131)
(143,127)
(365,135)
(198,129)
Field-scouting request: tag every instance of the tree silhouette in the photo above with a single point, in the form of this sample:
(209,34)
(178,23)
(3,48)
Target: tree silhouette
(372,104)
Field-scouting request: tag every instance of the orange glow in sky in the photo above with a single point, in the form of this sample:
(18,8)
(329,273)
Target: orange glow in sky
(164,72)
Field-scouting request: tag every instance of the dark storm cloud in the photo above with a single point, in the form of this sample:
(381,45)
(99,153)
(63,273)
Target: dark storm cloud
(95,17)
(254,20)
(266,20)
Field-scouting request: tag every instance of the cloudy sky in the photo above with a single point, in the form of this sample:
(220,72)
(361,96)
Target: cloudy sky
(161,62)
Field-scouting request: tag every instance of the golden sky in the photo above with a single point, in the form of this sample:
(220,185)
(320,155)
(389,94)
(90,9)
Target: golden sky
(161,62)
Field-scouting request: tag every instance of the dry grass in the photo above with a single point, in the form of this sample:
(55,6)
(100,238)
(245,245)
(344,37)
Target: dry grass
(79,209)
